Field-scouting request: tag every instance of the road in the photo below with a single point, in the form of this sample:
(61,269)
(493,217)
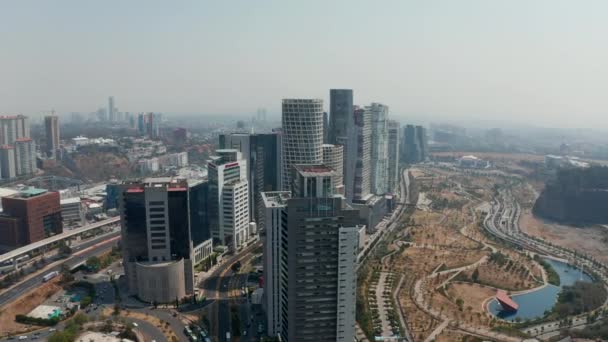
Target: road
(97,246)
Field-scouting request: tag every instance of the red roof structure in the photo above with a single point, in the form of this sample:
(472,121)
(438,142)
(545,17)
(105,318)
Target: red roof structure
(505,301)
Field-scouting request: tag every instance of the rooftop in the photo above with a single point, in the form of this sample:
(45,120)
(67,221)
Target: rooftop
(275,198)
(312,170)
(30,192)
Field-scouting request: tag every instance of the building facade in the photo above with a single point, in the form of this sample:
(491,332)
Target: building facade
(263,155)
(302,122)
(393,157)
(51,129)
(341,115)
(358,167)
(25,156)
(333,156)
(13,127)
(156,242)
(8,169)
(29,216)
(228,198)
(379,155)
(310,251)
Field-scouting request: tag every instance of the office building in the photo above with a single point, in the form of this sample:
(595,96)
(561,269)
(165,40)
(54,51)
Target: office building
(51,128)
(325,127)
(13,127)
(358,161)
(302,121)
(228,198)
(410,150)
(152,124)
(71,212)
(156,241)
(7,162)
(111,109)
(423,142)
(333,157)
(29,216)
(341,115)
(141,123)
(310,251)
(393,157)
(263,155)
(25,156)
(379,157)
(199,211)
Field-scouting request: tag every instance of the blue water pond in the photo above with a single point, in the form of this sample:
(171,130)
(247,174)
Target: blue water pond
(534,304)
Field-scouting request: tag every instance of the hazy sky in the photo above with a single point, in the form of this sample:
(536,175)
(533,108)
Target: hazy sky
(542,62)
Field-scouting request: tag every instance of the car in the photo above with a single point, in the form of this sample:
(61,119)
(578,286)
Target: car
(244,332)
(135,324)
(23,337)
(52,330)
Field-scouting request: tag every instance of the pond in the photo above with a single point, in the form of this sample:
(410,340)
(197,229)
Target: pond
(534,304)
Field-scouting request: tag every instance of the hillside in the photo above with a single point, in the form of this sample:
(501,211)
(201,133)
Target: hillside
(101,165)
(575,196)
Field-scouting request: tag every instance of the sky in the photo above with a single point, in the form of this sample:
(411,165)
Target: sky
(541,62)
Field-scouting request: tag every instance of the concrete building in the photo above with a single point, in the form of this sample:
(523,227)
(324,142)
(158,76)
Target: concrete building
(379,158)
(393,157)
(202,251)
(25,156)
(263,155)
(51,129)
(228,198)
(29,216)
(111,109)
(13,127)
(302,121)
(310,250)
(7,162)
(156,242)
(358,167)
(423,142)
(333,156)
(71,211)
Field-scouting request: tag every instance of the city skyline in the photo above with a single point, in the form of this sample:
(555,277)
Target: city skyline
(473,60)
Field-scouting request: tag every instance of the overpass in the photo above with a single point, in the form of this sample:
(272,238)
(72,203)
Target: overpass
(12,255)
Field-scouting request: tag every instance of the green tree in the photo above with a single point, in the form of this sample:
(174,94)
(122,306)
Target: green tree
(475,275)
(93,262)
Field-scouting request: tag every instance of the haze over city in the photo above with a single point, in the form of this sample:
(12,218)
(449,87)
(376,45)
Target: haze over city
(534,62)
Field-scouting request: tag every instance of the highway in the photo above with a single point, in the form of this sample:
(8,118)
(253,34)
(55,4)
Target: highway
(82,252)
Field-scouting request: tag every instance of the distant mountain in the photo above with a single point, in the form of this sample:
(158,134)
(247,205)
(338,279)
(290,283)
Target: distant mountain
(576,196)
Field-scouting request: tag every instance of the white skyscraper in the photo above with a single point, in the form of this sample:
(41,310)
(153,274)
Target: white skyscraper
(333,156)
(379,158)
(393,157)
(358,168)
(229,200)
(302,135)
(25,156)
(13,127)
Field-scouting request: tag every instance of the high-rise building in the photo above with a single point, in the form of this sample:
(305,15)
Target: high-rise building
(341,115)
(423,142)
(228,198)
(263,155)
(414,144)
(393,157)
(13,127)
(333,157)
(302,134)
(51,128)
(410,145)
(325,127)
(25,156)
(156,241)
(358,161)
(310,256)
(141,123)
(29,216)
(111,109)
(7,162)
(152,124)
(379,159)
(199,211)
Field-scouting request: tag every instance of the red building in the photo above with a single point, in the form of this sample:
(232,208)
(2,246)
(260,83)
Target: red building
(505,301)
(29,216)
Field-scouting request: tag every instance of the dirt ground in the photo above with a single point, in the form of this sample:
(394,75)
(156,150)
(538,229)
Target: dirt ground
(473,297)
(590,240)
(24,305)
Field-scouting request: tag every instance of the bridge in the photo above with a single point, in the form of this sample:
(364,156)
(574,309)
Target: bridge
(33,247)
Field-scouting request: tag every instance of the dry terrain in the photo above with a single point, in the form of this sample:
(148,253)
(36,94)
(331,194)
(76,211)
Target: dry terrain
(588,240)
(24,305)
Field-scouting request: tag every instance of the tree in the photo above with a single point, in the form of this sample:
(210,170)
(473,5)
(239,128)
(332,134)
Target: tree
(475,275)
(64,249)
(93,262)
